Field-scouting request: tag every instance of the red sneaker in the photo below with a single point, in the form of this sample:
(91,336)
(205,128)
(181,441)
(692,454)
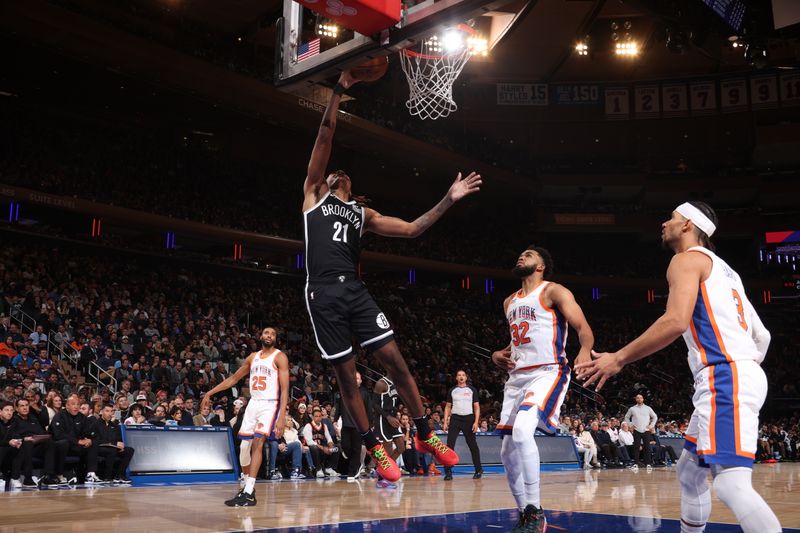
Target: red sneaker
(386,467)
(444,455)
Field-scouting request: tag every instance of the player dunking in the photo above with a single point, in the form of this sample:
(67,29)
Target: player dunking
(538,375)
(339,305)
(727,342)
(264,417)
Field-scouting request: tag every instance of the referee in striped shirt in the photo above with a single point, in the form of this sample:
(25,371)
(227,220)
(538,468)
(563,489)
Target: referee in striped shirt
(462,412)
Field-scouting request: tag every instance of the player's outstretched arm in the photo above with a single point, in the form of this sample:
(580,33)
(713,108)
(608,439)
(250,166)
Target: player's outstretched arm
(314,186)
(396,227)
(564,300)
(228,382)
(685,272)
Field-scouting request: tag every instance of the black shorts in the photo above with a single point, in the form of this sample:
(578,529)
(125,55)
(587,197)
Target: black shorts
(386,432)
(343,310)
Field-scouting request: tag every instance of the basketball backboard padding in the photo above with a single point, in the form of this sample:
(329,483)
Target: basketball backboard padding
(364,16)
(418,22)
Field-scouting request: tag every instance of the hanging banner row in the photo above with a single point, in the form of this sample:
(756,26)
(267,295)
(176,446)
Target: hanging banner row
(666,99)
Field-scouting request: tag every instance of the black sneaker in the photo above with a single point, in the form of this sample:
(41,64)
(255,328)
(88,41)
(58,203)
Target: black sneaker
(531,520)
(478,473)
(448,474)
(242,499)
(29,483)
(49,482)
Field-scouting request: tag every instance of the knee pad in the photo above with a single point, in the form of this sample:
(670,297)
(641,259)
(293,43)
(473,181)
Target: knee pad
(244,453)
(525,425)
(692,476)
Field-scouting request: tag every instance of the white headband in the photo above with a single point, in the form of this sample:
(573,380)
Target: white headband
(697,217)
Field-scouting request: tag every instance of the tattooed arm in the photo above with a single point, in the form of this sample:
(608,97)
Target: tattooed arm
(396,227)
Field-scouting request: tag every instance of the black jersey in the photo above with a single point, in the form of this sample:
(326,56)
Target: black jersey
(333,231)
(388,399)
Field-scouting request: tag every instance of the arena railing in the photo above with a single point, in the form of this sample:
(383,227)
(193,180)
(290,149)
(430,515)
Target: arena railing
(66,351)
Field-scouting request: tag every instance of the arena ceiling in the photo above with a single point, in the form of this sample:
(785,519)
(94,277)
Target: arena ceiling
(677,37)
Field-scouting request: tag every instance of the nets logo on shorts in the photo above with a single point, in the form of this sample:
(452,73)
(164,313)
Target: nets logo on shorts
(381,321)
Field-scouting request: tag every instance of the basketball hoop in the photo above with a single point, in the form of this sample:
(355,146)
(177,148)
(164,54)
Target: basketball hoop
(433,69)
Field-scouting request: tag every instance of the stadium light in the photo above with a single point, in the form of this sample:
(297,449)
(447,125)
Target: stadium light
(328,30)
(582,49)
(452,41)
(628,49)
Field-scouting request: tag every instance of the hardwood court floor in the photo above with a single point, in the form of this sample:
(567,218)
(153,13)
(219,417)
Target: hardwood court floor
(306,503)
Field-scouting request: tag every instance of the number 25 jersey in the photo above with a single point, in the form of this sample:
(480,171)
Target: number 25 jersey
(538,333)
(333,231)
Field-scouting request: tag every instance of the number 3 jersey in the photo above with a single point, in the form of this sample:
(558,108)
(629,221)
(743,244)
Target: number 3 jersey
(724,323)
(538,333)
(333,231)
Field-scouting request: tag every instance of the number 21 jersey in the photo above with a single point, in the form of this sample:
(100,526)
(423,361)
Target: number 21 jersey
(333,231)
(538,333)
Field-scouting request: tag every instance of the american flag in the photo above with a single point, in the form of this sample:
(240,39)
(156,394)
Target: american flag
(309,49)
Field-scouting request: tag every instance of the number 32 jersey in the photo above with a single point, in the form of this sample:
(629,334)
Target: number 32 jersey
(721,329)
(538,333)
(333,231)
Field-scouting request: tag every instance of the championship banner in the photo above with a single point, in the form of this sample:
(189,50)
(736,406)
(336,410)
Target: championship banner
(733,95)
(576,95)
(646,101)
(522,94)
(790,89)
(676,100)
(764,92)
(703,98)
(618,103)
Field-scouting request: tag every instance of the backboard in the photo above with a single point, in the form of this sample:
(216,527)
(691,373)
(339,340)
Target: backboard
(311,49)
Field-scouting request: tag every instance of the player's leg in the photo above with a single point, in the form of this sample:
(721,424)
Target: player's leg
(345,369)
(256,455)
(426,440)
(695,493)
(398,446)
(244,459)
(734,487)
(740,390)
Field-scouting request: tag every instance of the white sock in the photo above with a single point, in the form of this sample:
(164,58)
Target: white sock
(734,486)
(511,462)
(249,485)
(695,494)
(522,435)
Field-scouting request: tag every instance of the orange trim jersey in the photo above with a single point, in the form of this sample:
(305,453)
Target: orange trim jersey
(722,320)
(538,333)
(264,384)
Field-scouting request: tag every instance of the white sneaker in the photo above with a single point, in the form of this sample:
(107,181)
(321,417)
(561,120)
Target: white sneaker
(92,479)
(15,484)
(351,479)
(331,472)
(635,468)
(649,468)
(320,474)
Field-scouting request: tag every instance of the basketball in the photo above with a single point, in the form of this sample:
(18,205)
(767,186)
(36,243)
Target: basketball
(372,70)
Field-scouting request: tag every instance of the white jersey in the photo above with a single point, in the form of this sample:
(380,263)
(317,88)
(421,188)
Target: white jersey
(264,384)
(538,333)
(724,326)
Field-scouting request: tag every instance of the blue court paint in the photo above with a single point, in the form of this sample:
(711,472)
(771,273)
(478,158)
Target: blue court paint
(504,519)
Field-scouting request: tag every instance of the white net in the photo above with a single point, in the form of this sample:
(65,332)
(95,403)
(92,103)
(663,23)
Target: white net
(431,75)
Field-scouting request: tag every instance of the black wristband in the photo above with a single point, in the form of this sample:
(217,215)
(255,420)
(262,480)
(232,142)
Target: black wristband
(339,89)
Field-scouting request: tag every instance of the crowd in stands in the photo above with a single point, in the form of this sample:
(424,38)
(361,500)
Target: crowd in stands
(167,334)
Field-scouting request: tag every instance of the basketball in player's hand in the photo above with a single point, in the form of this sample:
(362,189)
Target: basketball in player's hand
(372,70)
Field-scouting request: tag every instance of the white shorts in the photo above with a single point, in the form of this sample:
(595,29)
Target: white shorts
(259,419)
(723,429)
(543,387)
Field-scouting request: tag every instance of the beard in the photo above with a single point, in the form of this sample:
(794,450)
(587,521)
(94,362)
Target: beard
(267,344)
(523,271)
